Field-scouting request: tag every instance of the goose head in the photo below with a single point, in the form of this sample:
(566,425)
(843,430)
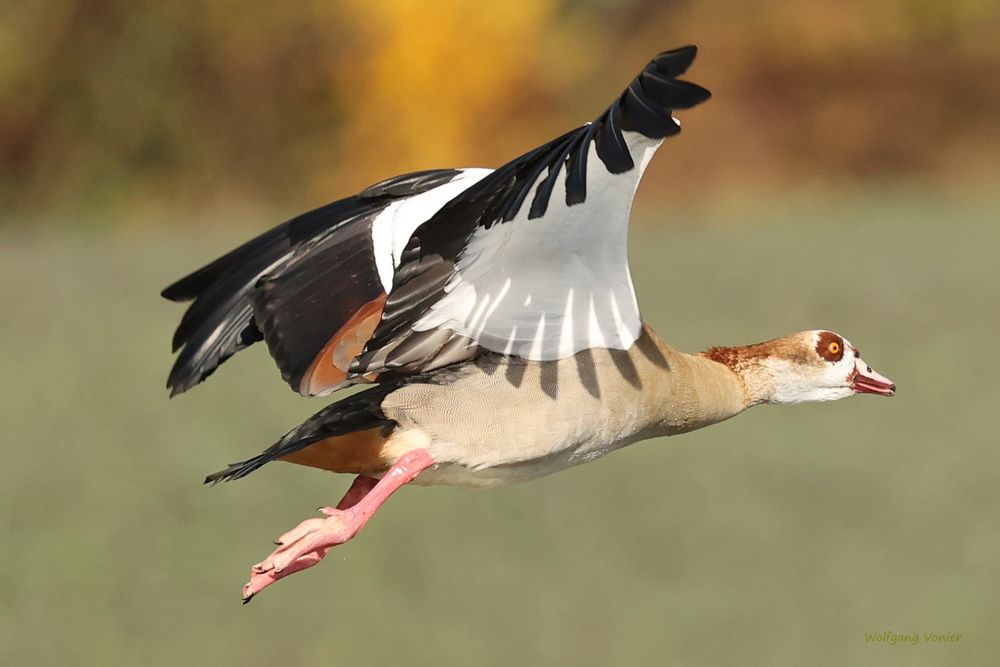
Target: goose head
(803,367)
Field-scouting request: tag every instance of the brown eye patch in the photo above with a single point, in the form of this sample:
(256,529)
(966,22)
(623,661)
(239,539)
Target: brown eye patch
(830,346)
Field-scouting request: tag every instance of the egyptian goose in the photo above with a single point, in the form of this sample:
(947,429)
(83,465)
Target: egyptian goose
(493,314)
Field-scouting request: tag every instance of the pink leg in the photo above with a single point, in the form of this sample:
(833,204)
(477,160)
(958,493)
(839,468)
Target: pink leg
(359,489)
(307,544)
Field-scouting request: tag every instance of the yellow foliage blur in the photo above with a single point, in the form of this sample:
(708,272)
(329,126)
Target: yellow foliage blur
(422,89)
(117,109)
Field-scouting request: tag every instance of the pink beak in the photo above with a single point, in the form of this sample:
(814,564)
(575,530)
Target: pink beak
(868,381)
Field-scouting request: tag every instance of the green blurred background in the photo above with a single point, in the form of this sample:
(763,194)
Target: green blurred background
(139,140)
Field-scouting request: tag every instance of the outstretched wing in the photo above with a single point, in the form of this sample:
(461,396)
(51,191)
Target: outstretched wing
(532,260)
(428,269)
(311,287)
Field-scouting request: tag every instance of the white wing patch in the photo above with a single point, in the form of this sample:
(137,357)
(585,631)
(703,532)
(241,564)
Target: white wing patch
(392,228)
(550,287)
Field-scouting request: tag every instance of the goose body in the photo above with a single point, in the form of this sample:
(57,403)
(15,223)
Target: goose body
(493,314)
(500,419)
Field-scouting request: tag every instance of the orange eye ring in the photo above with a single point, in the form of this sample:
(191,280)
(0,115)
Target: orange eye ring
(833,348)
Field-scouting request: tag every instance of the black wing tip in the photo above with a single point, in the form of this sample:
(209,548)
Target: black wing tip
(688,95)
(681,53)
(193,284)
(699,93)
(647,104)
(675,61)
(178,387)
(187,374)
(177,292)
(672,64)
(175,385)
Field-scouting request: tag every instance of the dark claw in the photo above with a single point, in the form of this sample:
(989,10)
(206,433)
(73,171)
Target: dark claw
(248,598)
(278,543)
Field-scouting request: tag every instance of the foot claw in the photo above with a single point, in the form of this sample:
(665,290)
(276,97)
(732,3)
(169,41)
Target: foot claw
(300,548)
(248,591)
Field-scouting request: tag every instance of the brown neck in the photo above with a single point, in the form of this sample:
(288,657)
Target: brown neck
(745,363)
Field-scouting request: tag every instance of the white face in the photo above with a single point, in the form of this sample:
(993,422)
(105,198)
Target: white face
(830,369)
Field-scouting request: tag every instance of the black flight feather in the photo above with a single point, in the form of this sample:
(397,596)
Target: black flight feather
(221,321)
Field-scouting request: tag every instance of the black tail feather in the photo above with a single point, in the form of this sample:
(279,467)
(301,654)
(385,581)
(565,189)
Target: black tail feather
(358,412)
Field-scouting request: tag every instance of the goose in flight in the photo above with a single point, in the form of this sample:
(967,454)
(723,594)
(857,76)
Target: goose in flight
(491,315)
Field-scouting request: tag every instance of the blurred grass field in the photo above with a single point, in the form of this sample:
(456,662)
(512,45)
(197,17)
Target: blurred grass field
(780,537)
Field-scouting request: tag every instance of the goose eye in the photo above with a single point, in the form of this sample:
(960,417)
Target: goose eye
(830,347)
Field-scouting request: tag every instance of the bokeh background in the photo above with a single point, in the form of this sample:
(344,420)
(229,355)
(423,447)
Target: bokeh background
(843,176)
